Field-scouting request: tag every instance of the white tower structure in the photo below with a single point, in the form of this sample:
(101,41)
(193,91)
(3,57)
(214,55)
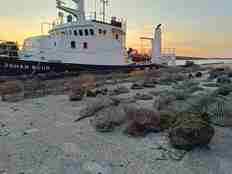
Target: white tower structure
(160,55)
(157,46)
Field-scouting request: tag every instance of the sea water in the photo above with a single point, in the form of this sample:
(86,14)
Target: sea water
(207,61)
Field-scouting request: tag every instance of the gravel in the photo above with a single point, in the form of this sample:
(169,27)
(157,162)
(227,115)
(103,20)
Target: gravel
(54,144)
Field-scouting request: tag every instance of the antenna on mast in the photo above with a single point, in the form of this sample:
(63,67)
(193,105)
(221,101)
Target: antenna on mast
(79,12)
(104,4)
(59,3)
(95,9)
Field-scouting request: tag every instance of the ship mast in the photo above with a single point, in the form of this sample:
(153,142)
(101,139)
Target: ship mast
(80,7)
(104,4)
(157,45)
(78,12)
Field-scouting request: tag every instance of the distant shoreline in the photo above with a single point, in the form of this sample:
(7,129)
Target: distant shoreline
(200,58)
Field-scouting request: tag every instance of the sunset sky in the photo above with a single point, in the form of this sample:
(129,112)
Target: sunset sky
(194,27)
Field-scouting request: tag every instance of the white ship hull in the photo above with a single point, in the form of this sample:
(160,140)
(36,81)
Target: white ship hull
(99,52)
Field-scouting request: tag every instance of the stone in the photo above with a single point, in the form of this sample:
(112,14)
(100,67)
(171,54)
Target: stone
(42,76)
(224,90)
(97,168)
(31,87)
(11,87)
(12,91)
(180,77)
(189,64)
(183,94)
(121,90)
(142,121)
(4,130)
(229,73)
(52,75)
(149,84)
(91,93)
(215,73)
(189,133)
(169,78)
(103,91)
(77,95)
(224,79)
(139,96)
(13,97)
(190,76)
(112,93)
(110,82)
(4,79)
(161,102)
(167,119)
(198,74)
(211,85)
(71,166)
(108,118)
(99,84)
(137,86)
(124,100)
(96,105)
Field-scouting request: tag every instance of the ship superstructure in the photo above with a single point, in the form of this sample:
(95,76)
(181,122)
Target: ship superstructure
(88,40)
(81,39)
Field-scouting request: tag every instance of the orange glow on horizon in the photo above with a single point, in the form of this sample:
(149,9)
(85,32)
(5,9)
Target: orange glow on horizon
(17,31)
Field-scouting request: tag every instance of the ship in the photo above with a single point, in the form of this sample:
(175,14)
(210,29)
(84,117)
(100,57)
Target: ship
(80,42)
(84,39)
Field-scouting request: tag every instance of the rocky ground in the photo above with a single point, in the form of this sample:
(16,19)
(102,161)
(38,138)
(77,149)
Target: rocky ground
(40,135)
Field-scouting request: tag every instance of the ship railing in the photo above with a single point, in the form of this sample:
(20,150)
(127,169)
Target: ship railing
(7,42)
(168,51)
(92,16)
(6,56)
(169,56)
(4,43)
(115,21)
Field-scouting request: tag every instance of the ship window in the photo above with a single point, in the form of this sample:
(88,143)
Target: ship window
(91,32)
(116,37)
(80,32)
(85,45)
(75,32)
(54,43)
(86,32)
(104,32)
(73,44)
(100,31)
(13,48)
